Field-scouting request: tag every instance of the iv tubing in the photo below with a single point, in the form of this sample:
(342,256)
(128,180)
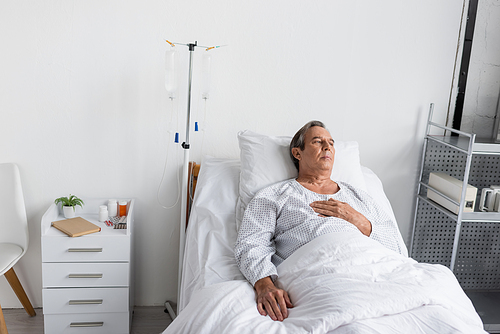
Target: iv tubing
(165,168)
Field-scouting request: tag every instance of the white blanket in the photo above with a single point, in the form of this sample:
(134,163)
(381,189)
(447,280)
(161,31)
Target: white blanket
(340,283)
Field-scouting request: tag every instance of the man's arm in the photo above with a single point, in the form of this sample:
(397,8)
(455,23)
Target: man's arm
(253,251)
(271,300)
(254,245)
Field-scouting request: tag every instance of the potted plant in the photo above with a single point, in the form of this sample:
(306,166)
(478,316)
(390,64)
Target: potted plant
(68,204)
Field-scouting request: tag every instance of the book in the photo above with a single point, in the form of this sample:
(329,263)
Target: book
(75,227)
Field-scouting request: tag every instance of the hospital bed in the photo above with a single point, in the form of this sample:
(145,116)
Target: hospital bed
(365,289)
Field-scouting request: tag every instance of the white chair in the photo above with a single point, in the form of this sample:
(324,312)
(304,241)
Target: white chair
(13,233)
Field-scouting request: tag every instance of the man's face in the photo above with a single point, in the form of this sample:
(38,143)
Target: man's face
(319,152)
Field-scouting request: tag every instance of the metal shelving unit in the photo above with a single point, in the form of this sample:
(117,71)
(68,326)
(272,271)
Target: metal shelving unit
(468,242)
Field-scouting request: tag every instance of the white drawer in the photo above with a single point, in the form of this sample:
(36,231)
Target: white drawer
(87,248)
(93,323)
(88,300)
(56,275)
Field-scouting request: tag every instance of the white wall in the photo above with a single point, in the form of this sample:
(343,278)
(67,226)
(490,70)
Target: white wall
(84,109)
(483,81)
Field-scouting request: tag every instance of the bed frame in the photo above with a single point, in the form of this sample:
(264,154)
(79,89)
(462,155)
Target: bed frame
(194,171)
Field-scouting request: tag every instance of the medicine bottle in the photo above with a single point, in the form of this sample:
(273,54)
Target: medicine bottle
(112,208)
(123,208)
(103,213)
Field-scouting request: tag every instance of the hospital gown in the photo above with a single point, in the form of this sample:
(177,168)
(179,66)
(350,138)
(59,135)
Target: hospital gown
(279,220)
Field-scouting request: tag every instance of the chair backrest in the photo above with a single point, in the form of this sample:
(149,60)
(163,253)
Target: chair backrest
(13,221)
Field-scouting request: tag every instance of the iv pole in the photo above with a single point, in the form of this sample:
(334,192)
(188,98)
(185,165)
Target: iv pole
(185,174)
(184,184)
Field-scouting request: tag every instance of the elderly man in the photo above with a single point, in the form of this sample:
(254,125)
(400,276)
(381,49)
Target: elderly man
(287,215)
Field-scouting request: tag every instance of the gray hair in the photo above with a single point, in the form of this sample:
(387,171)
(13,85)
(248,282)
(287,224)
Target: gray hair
(298,139)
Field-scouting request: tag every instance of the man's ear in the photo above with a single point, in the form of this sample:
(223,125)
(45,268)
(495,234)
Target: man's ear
(296,153)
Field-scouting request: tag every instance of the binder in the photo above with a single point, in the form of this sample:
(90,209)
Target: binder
(75,227)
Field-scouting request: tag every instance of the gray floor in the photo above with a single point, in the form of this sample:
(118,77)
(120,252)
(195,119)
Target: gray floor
(487,304)
(153,320)
(146,320)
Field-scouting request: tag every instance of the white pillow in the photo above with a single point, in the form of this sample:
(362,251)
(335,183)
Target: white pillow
(265,160)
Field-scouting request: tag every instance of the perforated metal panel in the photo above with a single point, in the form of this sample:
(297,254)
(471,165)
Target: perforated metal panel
(441,158)
(434,235)
(478,257)
(485,171)
(477,265)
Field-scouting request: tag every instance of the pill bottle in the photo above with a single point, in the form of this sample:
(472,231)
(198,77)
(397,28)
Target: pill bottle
(103,213)
(123,208)
(112,208)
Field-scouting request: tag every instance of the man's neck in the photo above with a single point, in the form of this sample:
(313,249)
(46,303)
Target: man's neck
(321,184)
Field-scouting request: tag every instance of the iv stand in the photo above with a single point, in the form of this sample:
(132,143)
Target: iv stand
(184,185)
(185,174)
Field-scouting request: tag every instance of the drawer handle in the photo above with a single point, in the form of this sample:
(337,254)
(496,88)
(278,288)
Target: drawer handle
(85,302)
(87,324)
(85,275)
(85,250)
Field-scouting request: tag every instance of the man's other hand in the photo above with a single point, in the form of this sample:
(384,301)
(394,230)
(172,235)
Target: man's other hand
(335,208)
(271,300)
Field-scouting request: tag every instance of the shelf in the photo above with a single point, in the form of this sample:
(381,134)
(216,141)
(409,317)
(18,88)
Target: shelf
(467,217)
(468,249)
(491,217)
(443,210)
(105,230)
(480,146)
(486,146)
(90,213)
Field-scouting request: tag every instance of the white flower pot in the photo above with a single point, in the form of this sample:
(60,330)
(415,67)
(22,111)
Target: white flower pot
(69,211)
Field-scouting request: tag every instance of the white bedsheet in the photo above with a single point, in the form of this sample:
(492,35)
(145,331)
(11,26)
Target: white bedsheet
(211,232)
(215,297)
(342,281)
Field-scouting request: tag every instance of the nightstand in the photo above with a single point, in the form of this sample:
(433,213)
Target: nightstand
(87,280)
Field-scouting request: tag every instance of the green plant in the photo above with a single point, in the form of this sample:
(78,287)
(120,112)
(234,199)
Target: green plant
(72,200)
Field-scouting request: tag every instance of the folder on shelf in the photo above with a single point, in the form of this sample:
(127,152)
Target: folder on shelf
(75,227)
(451,187)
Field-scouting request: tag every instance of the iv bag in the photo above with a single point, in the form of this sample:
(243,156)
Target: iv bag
(205,75)
(170,72)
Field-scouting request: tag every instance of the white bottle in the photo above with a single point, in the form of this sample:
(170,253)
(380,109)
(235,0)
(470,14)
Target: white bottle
(103,213)
(112,208)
